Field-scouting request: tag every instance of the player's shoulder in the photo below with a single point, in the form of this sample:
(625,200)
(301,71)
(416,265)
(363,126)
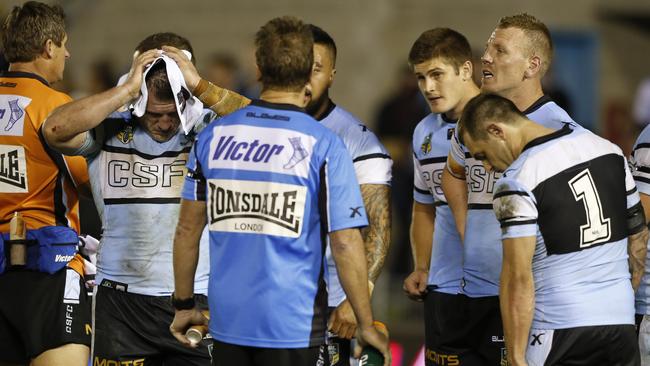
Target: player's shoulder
(545,111)
(643,141)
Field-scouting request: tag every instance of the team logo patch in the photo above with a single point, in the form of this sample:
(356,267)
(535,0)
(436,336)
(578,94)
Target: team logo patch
(13,169)
(334,354)
(269,208)
(12,114)
(126,135)
(450,133)
(426,144)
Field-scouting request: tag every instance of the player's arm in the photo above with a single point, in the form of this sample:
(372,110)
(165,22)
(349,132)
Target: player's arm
(192,220)
(376,237)
(66,128)
(421,233)
(517,295)
(454,186)
(349,255)
(220,100)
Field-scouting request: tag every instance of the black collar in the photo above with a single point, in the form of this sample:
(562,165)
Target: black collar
(284,106)
(538,104)
(447,119)
(21,74)
(329,110)
(546,138)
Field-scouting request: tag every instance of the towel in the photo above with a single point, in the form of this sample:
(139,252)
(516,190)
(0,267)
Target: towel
(189,110)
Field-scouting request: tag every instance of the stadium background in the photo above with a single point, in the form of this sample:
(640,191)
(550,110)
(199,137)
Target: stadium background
(601,59)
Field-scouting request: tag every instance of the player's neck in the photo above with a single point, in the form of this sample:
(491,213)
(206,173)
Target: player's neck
(32,67)
(470,92)
(526,95)
(531,132)
(284,97)
(321,108)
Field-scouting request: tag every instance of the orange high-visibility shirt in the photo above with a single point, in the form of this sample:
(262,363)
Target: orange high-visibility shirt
(34,179)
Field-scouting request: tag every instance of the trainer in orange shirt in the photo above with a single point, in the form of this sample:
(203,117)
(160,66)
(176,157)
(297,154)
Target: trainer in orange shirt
(51,328)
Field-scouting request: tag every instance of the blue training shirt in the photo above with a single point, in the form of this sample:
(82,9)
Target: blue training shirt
(275,182)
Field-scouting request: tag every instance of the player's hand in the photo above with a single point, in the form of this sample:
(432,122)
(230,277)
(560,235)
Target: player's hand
(342,321)
(415,285)
(373,337)
(188,69)
(182,321)
(134,80)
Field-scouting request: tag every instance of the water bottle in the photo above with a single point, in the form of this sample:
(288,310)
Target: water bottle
(196,332)
(370,356)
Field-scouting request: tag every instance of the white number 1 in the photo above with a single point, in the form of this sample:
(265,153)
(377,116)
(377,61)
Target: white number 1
(597,228)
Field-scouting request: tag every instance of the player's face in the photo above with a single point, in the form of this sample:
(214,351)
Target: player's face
(59,55)
(161,120)
(490,151)
(322,75)
(441,84)
(504,61)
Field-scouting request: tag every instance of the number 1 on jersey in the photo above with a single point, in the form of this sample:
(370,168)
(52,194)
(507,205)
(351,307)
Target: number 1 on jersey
(597,228)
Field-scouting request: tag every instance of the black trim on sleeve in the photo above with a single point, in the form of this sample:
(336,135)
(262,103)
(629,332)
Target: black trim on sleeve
(643,169)
(509,193)
(480,206)
(371,156)
(644,145)
(516,223)
(439,203)
(631,191)
(642,179)
(422,191)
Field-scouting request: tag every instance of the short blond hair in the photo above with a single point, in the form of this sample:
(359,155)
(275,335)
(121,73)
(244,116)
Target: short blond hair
(539,37)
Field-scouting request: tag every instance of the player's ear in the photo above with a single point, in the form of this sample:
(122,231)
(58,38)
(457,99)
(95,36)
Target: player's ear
(466,70)
(495,130)
(534,67)
(48,49)
(331,78)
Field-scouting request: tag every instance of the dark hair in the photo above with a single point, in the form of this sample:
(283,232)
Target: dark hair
(28,27)
(482,108)
(441,42)
(157,40)
(323,38)
(284,54)
(539,37)
(158,83)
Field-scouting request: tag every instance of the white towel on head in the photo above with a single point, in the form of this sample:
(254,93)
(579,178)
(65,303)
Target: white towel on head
(189,110)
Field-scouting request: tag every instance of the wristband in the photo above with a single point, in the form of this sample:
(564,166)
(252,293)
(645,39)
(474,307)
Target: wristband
(183,304)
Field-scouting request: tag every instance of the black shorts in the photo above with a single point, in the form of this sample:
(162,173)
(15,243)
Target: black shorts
(336,352)
(40,312)
(444,321)
(611,345)
(482,332)
(226,354)
(134,329)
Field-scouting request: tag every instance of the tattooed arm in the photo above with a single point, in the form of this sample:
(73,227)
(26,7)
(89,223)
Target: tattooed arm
(376,236)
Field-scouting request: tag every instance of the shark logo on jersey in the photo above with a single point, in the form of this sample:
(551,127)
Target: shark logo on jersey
(126,135)
(299,153)
(426,144)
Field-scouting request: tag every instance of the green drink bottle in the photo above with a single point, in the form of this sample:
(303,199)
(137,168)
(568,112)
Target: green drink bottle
(370,356)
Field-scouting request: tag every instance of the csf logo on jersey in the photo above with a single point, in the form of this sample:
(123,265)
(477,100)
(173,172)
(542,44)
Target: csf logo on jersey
(262,149)
(13,169)
(126,135)
(12,114)
(269,208)
(426,144)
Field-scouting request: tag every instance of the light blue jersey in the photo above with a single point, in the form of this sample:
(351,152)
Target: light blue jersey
(482,251)
(275,182)
(372,165)
(136,183)
(431,142)
(641,165)
(571,190)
